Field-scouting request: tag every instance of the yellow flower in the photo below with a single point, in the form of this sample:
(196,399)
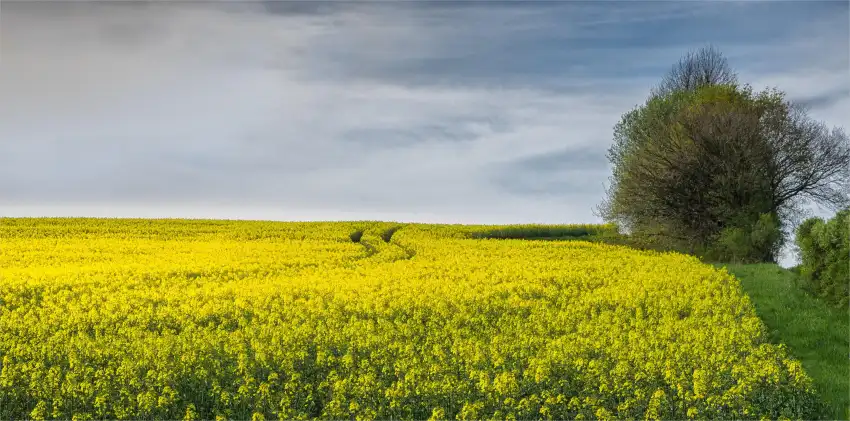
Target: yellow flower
(177,319)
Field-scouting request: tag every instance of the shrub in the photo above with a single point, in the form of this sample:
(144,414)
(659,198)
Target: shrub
(825,256)
(759,242)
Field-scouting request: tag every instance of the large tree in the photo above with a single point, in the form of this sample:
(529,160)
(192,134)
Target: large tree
(704,156)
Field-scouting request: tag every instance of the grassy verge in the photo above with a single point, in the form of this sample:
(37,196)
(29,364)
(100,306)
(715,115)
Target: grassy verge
(815,333)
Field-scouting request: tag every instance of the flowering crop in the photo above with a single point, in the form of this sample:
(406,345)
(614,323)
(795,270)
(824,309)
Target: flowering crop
(221,319)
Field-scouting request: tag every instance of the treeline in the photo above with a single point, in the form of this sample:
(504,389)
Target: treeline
(711,167)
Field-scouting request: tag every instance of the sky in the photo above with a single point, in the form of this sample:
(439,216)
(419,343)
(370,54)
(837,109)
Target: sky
(432,111)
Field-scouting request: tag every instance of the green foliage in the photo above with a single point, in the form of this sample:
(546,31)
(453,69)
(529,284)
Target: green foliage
(766,236)
(759,242)
(711,167)
(825,256)
(688,172)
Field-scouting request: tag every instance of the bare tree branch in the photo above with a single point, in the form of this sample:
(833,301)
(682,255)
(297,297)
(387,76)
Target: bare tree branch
(703,67)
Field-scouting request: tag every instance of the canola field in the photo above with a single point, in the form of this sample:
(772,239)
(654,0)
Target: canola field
(189,319)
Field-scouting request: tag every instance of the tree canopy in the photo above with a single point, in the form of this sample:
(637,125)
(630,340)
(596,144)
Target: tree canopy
(705,160)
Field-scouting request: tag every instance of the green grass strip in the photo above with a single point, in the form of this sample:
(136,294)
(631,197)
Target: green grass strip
(815,333)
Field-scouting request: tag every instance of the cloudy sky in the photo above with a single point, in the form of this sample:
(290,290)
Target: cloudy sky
(461,111)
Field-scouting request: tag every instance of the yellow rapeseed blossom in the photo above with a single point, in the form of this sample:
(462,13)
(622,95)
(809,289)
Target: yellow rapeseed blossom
(176,319)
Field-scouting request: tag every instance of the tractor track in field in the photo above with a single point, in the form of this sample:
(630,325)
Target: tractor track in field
(386,236)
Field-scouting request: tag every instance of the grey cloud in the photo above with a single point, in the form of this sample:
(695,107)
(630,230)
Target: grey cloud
(561,172)
(388,138)
(568,158)
(477,112)
(289,8)
(577,185)
(464,129)
(825,100)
